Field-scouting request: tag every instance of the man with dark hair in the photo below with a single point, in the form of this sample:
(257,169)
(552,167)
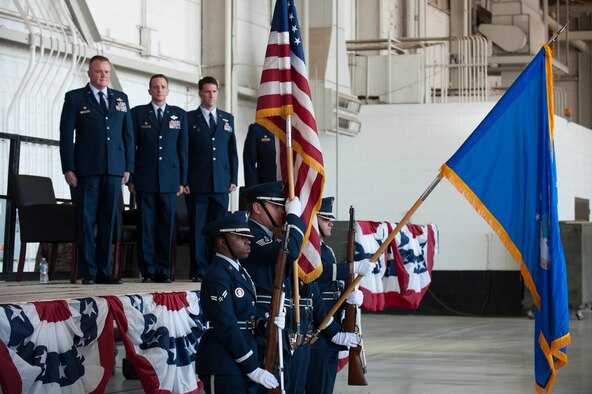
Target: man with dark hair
(97,154)
(213,169)
(227,360)
(161,174)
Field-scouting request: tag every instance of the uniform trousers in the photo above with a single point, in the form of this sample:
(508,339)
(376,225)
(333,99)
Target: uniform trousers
(156,220)
(231,384)
(97,197)
(322,370)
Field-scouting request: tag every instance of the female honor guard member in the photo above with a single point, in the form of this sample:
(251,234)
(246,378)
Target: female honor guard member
(324,355)
(227,359)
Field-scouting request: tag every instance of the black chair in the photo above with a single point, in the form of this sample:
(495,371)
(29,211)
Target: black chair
(125,233)
(42,219)
(182,234)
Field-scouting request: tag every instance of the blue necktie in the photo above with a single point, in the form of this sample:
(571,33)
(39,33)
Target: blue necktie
(103,103)
(160,117)
(212,124)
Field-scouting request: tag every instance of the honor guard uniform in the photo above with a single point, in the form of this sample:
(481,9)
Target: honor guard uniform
(259,156)
(227,360)
(324,354)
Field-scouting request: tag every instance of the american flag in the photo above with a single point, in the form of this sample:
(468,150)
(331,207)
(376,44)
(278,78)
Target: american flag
(56,346)
(284,92)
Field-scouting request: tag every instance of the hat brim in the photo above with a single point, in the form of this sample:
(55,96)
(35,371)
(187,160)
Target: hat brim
(326,216)
(242,234)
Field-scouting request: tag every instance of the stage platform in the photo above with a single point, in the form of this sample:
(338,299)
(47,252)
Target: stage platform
(31,291)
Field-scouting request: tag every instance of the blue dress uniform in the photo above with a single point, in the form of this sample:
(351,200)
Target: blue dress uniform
(213,166)
(259,156)
(324,354)
(102,151)
(227,352)
(161,167)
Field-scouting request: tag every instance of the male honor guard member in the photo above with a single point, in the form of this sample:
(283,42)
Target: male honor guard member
(324,355)
(227,360)
(259,156)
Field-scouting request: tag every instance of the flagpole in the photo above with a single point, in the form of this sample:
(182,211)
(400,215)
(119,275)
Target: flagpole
(556,36)
(291,194)
(381,249)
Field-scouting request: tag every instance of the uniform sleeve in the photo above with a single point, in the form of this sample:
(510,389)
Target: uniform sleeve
(250,157)
(233,156)
(218,306)
(320,311)
(128,139)
(183,148)
(67,125)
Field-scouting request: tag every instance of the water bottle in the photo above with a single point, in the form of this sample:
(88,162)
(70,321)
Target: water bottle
(43,271)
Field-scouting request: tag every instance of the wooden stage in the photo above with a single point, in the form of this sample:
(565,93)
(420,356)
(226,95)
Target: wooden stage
(13,292)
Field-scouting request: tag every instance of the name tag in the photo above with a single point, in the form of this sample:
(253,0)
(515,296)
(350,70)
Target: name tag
(146,126)
(84,111)
(265,139)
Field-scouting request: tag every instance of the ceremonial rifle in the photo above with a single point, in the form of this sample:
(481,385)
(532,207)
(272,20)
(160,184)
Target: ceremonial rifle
(274,335)
(357,361)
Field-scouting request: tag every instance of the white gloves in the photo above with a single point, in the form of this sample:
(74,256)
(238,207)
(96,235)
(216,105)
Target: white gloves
(280,320)
(356,297)
(264,378)
(349,339)
(294,206)
(364,267)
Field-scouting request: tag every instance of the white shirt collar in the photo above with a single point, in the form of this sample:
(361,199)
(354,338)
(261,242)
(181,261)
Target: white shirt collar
(267,231)
(156,107)
(206,113)
(96,91)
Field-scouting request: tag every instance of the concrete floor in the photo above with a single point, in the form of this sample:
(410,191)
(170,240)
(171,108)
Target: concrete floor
(448,354)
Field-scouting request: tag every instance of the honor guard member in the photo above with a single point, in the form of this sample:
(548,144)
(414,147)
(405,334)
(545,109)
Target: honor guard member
(227,360)
(213,169)
(259,156)
(324,355)
(161,174)
(97,154)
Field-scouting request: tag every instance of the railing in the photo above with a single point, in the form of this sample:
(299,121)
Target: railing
(452,67)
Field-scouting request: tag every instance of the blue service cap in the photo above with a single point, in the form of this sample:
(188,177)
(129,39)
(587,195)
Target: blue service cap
(326,210)
(234,223)
(272,192)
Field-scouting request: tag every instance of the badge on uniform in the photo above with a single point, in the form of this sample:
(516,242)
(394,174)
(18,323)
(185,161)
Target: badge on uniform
(239,292)
(174,123)
(265,139)
(220,298)
(227,126)
(146,125)
(264,241)
(84,111)
(120,105)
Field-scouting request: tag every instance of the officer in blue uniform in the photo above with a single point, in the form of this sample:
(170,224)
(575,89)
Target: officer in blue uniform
(161,174)
(213,169)
(324,354)
(259,156)
(227,360)
(95,164)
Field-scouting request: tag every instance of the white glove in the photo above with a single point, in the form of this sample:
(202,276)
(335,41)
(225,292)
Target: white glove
(364,267)
(264,378)
(294,206)
(356,297)
(280,320)
(349,339)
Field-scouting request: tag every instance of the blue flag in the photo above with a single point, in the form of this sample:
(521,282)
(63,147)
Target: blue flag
(506,170)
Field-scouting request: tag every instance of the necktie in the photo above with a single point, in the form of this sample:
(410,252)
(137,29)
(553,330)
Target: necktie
(212,124)
(160,117)
(103,103)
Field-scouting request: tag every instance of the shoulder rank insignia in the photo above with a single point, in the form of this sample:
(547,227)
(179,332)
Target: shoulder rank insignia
(219,298)
(264,241)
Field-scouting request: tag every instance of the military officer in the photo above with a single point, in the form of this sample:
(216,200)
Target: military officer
(97,155)
(259,156)
(324,354)
(161,174)
(227,360)
(213,169)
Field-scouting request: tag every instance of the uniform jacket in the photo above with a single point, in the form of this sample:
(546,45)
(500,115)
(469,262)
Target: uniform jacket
(161,152)
(259,156)
(104,145)
(213,159)
(226,298)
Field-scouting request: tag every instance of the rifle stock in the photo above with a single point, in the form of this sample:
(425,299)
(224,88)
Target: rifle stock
(357,366)
(270,360)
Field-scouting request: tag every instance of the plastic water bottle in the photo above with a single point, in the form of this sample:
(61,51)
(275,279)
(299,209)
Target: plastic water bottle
(43,271)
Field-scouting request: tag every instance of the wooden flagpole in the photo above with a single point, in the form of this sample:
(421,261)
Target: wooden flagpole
(291,194)
(381,249)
